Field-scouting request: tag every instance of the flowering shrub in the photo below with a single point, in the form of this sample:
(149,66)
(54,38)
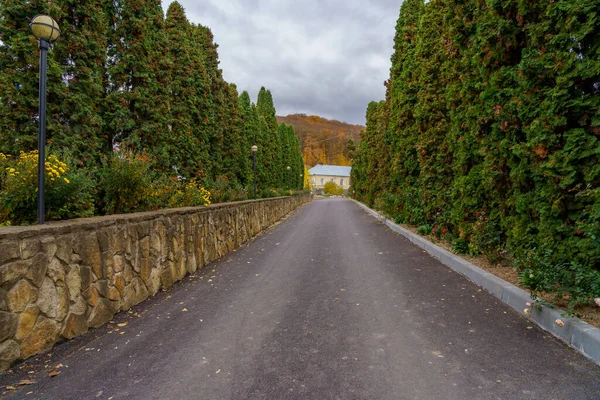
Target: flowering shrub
(68,192)
(191,194)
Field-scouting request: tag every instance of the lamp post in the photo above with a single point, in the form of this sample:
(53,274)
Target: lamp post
(46,30)
(288,169)
(254,150)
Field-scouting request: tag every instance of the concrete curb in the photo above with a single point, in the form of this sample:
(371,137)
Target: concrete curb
(581,336)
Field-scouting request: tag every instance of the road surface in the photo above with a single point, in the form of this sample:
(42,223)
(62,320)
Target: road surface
(330,304)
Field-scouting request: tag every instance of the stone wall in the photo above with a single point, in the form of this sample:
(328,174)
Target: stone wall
(60,279)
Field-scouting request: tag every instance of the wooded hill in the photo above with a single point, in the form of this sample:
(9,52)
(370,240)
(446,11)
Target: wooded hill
(489,135)
(322,140)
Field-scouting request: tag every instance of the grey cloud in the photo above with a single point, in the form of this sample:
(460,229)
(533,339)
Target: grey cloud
(328,58)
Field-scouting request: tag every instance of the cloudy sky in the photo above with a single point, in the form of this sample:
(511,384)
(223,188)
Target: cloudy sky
(322,57)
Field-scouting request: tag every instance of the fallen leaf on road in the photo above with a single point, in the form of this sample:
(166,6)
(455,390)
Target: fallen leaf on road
(123,324)
(218,371)
(559,323)
(25,382)
(122,333)
(54,373)
(11,388)
(59,366)
(184,310)
(276,244)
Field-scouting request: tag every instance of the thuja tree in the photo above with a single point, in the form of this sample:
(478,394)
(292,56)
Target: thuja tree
(137,110)
(492,114)
(19,66)
(81,51)
(236,144)
(555,191)
(270,151)
(189,101)
(250,130)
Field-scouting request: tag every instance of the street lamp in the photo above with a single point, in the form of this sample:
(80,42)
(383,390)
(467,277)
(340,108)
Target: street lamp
(254,150)
(46,30)
(288,169)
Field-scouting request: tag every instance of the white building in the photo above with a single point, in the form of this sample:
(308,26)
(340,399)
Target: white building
(321,174)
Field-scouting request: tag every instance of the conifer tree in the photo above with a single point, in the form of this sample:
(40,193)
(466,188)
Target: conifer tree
(81,51)
(271,158)
(137,109)
(19,77)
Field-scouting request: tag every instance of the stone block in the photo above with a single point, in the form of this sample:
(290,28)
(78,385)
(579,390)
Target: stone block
(9,251)
(166,278)
(64,248)
(143,229)
(14,271)
(9,352)
(92,296)
(20,295)
(78,306)
(74,325)
(27,321)
(119,282)
(153,282)
(133,294)
(8,325)
(119,263)
(102,313)
(63,301)
(29,247)
(144,268)
(48,298)
(86,277)
(42,337)
(56,270)
(73,281)
(49,246)
(37,271)
(90,253)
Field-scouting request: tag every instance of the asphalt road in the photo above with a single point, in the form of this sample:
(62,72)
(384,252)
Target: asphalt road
(330,304)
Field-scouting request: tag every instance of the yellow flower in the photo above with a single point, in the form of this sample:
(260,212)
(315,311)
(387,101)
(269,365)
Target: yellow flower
(66,180)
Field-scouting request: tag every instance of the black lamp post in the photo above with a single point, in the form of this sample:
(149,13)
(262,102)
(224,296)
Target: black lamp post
(46,30)
(288,169)
(254,150)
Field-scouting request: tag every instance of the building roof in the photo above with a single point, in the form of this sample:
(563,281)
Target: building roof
(330,170)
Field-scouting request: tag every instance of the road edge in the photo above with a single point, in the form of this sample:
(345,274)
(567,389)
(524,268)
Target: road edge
(578,334)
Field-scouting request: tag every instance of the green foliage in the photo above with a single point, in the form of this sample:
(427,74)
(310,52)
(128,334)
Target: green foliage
(490,129)
(125,182)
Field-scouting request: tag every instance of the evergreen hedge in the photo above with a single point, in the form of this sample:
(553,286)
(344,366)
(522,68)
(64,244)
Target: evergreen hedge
(124,76)
(490,132)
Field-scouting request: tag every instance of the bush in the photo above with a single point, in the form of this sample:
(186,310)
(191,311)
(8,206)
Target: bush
(332,188)
(69,192)
(125,183)
(190,194)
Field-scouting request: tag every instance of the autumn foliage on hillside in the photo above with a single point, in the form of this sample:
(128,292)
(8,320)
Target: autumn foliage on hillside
(322,140)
